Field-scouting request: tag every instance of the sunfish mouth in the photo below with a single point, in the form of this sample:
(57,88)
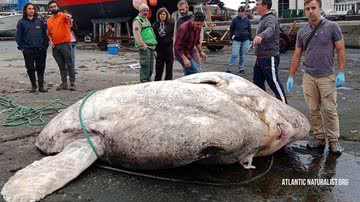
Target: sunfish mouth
(284,134)
(275,143)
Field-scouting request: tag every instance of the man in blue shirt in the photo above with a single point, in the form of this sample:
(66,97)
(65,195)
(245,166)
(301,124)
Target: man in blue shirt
(32,40)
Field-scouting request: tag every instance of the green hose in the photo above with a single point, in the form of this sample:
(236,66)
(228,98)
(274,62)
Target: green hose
(20,115)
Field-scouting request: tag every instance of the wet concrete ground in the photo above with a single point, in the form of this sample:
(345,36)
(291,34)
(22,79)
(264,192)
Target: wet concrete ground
(293,162)
(99,71)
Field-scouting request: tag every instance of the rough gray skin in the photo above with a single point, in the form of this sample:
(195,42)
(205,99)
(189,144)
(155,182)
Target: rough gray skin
(213,118)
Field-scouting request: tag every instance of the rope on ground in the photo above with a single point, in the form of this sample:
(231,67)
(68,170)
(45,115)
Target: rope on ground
(189,181)
(20,115)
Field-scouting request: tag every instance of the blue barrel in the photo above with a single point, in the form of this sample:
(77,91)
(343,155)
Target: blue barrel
(113,49)
(21,4)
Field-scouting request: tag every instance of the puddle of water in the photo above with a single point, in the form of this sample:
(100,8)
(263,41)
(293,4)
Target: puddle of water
(293,162)
(344,88)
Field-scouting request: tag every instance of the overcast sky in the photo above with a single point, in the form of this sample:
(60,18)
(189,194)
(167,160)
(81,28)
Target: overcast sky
(234,4)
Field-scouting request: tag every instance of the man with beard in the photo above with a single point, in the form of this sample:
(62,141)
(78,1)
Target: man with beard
(183,14)
(181,17)
(145,42)
(33,41)
(187,41)
(60,35)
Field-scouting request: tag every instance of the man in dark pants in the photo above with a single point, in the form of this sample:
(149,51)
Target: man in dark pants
(60,35)
(267,50)
(33,41)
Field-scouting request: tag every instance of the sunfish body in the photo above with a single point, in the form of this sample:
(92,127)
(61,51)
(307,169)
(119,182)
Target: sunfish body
(210,118)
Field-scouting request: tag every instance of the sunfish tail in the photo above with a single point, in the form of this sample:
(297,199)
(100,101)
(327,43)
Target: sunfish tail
(49,174)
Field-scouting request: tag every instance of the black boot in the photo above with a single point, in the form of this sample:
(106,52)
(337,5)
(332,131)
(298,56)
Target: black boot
(42,89)
(41,82)
(33,89)
(32,80)
(63,86)
(72,86)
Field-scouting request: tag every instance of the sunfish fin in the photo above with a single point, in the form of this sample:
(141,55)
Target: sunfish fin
(214,80)
(51,173)
(247,162)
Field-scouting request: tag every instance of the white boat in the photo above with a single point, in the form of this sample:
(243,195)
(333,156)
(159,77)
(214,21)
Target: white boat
(8,24)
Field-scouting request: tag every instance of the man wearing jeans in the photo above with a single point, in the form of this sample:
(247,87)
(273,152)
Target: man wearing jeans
(60,35)
(145,41)
(240,32)
(319,80)
(188,37)
(73,29)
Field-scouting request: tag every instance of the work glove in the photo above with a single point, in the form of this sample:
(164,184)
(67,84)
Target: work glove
(340,79)
(290,84)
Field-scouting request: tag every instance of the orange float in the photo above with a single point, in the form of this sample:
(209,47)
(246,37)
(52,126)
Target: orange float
(153,3)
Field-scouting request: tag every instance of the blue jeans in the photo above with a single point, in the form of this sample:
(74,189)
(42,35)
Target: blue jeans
(193,69)
(73,50)
(238,50)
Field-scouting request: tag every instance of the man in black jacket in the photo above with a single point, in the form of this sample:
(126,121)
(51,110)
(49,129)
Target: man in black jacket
(32,40)
(240,34)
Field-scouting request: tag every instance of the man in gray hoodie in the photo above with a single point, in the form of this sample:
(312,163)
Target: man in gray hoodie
(267,52)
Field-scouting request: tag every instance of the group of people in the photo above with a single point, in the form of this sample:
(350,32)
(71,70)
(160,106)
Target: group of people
(317,41)
(33,36)
(181,40)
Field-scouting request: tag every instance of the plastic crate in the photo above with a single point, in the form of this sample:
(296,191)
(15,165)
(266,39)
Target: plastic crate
(113,49)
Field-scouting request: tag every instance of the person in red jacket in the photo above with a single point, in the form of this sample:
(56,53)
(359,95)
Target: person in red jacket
(187,41)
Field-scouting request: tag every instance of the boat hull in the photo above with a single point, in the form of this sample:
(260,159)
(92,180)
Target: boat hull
(85,10)
(8,25)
